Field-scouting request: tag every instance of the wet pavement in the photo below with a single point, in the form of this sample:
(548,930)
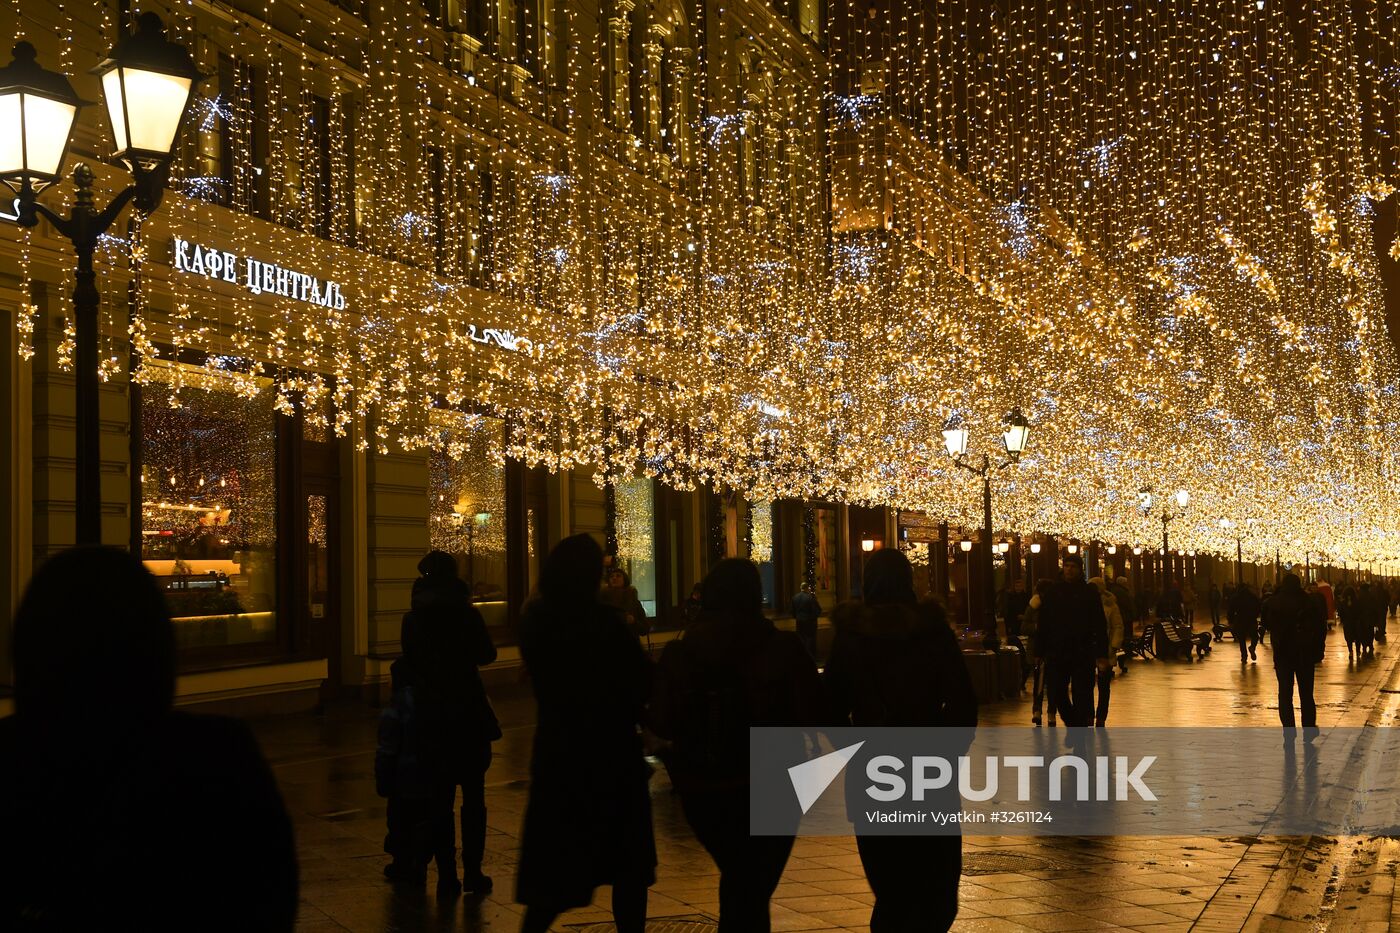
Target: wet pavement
(325,764)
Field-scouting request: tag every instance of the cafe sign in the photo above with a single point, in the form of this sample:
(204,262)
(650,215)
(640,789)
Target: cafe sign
(255,275)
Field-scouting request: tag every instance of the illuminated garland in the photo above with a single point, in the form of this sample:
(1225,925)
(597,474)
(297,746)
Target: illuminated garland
(1174,279)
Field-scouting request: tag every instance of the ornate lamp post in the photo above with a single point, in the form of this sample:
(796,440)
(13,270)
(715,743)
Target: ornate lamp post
(1014,439)
(1225,526)
(147,83)
(1181,498)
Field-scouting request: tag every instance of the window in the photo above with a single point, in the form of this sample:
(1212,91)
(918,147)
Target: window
(209,504)
(825,521)
(318,178)
(469,200)
(809,19)
(467,505)
(547,66)
(761,548)
(259,187)
(461,15)
(506,30)
(636,530)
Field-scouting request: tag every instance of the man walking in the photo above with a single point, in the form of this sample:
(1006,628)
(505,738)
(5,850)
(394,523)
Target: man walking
(1298,629)
(1073,639)
(1243,611)
(1215,598)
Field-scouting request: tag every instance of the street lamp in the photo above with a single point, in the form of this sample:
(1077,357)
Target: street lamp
(37,110)
(147,83)
(1181,498)
(1014,439)
(965,545)
(1226,525)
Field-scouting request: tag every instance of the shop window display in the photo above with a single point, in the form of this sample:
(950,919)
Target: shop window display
(825,520)
(761,549)
(209,502)
(467,505)
(636,529)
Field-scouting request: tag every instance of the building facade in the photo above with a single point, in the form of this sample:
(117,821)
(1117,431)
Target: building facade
(339,156)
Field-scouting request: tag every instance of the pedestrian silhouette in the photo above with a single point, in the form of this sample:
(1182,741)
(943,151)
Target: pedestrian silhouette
(1352,613)
(588,819)
(400,777)
(1243,610)
(447,724)
(117,811)
(895,662)
(1298,631)
(1030,628)
(806,611)
(1113,617)
(733,669)
(1073,639)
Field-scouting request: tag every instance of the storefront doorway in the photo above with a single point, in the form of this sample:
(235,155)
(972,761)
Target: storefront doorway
(320,600)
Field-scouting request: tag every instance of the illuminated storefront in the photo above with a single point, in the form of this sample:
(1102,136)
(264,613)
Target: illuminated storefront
(209,505)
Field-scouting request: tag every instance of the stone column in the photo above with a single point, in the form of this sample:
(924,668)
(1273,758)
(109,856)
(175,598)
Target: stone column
(652,53)
(619,105)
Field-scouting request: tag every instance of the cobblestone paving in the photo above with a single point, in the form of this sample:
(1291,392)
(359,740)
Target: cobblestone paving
(325,767)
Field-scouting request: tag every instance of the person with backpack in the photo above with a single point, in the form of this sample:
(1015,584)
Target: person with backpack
(588,818)
(730,670)
(895,662)
(400,779)
(1298,630)
(445,643)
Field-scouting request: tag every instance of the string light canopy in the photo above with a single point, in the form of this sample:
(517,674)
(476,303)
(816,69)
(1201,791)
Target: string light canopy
(1148,229)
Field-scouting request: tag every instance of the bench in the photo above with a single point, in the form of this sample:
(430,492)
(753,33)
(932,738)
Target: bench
(1140,646)
(1176,639)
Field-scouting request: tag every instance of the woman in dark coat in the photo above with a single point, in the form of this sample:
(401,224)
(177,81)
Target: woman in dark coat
(588,820)
(1350,610)
(117,812)
(445,642)
(895,662)
(733,669)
